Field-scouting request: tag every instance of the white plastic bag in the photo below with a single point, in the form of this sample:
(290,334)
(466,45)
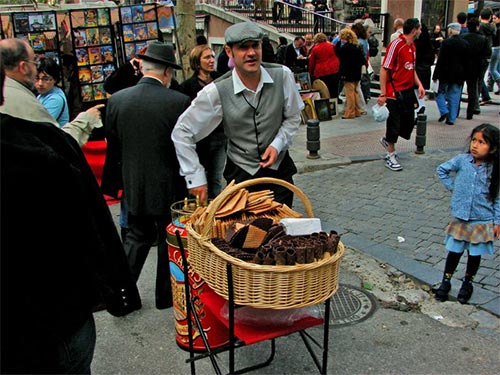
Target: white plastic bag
(435,86)
(380,113)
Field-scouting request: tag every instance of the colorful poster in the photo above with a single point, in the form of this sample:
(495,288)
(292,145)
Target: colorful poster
(84,75)
(82,57)
(99,92)
(140,31)
(95,55)
(126,14)
(93,37)
(37,41)
(107,54)
(140,47)
(105,35)
(42,21)
(137,13)
(152,30)
(21,23)
(90,16)
(80,37)
(128,33)
(102,17)
(87,93)
(129,51)
(97,73)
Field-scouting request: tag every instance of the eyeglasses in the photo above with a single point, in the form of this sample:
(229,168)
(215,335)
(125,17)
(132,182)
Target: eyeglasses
(44,78)
(34,62)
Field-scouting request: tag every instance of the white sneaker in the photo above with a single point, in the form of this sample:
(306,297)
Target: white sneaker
(392,163)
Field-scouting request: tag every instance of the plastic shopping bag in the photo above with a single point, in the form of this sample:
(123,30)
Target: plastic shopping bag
(380,113)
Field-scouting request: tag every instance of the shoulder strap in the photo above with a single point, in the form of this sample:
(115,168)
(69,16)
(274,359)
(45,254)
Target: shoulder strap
(62,110)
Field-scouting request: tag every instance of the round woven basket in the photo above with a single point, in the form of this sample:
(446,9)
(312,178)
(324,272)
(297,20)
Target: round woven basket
(261,286)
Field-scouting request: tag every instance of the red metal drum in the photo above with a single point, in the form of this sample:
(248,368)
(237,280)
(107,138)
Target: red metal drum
(216,332)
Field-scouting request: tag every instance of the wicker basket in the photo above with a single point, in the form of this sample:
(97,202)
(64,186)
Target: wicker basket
(261,286)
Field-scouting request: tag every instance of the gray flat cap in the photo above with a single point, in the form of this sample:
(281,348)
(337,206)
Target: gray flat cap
(242,32)
(455,26)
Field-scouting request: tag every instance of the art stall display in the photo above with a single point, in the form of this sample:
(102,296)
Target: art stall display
(139,27)
(94,50)
(39,29)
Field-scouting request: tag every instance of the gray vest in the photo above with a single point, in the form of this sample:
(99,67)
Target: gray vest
(250,130)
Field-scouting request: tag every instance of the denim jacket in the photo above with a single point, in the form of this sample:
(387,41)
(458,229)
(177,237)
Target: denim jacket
(470,198)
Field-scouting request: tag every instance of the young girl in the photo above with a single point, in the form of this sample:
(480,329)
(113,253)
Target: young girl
(475,206)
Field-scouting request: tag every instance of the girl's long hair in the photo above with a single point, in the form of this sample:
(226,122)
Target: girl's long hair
(491,135)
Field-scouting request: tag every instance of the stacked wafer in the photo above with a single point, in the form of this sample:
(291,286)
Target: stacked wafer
(241,206)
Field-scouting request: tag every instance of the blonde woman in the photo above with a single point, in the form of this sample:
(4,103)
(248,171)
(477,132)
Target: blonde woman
(351,60)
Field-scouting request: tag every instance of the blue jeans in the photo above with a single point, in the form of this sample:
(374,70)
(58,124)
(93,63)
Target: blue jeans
(448,99)
(495,64)
(123,220)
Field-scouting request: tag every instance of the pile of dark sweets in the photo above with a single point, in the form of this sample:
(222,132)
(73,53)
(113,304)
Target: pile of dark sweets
(268,244)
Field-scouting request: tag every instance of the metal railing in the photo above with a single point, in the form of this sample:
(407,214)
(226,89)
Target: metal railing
(287,17)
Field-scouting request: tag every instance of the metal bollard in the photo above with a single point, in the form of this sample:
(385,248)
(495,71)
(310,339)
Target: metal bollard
(313,139)
(421,133)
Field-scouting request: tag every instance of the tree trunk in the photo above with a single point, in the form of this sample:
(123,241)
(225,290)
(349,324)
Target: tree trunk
(186,32)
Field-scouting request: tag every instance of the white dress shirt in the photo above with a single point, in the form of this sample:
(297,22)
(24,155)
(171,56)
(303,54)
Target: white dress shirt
(206,113)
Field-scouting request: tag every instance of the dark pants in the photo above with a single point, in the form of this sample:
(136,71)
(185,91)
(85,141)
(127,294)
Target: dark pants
(143,232)
(44,351)
(472,95)
(285,172)
(332,82)
(399,123)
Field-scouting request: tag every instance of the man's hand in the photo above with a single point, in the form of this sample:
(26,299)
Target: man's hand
(94,111)
(496,231)
(421,91)
(269,157)
(201,192)
(381,100)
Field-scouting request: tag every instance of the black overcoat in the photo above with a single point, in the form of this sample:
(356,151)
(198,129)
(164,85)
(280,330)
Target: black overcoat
(139,122)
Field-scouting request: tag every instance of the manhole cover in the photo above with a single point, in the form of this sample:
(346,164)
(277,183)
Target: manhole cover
(351,305)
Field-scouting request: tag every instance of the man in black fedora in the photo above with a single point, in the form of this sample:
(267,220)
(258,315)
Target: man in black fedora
(139,121)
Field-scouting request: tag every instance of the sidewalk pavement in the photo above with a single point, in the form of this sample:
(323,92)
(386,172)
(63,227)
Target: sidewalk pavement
(370,206)
(397,217)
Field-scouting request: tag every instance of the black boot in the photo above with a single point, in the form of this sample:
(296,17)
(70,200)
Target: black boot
(465,291)
(443,290)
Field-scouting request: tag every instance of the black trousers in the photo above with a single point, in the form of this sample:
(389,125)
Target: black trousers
(285,172)
(143,232)
(472,95)
(399,123)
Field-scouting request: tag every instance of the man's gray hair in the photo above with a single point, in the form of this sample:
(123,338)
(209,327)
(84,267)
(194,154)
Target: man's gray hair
(151,66)
(12,51)
(452,31)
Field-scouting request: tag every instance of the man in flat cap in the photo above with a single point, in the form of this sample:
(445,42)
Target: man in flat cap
(139,122)
(451,71)
(259,107)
